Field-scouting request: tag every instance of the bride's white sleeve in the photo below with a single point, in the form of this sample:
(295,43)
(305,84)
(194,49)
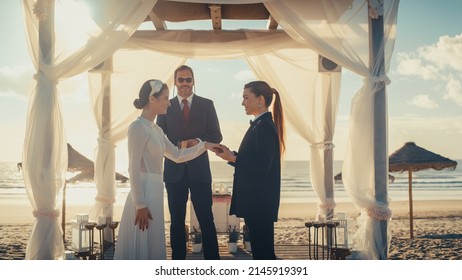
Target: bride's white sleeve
(137,138)
(182,155)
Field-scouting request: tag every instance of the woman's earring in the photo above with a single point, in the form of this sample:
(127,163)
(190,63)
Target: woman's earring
(259,105)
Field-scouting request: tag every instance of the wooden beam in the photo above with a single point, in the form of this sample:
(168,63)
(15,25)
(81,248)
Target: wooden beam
(255,11)
(272,23)
(173,11)
(215,15)
(158,23)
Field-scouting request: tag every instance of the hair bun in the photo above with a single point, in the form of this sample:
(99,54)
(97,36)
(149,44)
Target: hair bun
(137,104)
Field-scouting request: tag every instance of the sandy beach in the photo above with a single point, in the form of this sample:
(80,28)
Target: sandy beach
(437,228)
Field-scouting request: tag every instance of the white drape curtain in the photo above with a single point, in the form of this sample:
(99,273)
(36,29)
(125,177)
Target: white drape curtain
(113,88)
(65,48)
(343,36)
(282,64)
(310,101)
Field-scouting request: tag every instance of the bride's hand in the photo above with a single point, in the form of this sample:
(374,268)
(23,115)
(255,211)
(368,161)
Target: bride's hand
(188,143)
(211,146)
(142,218)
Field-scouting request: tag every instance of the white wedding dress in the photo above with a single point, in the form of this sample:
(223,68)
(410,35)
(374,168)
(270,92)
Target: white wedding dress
(147,146)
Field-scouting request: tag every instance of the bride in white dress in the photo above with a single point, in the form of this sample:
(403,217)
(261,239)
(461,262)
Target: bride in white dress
(142,229)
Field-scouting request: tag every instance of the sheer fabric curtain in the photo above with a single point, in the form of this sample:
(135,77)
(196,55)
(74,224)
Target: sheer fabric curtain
(61,48)
(338,30)
(113,88)
(274,57)
(310,102)
(277,58)
(219,44)
(152,54)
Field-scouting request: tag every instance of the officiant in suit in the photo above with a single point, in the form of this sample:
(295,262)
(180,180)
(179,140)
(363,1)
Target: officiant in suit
(257,168)
(190,116)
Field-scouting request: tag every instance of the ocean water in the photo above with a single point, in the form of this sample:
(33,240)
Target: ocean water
(296,187)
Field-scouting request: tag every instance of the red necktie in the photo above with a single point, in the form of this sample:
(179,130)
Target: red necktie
(185,109)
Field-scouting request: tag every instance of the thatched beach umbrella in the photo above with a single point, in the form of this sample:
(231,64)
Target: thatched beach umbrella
(414,158)
(79,163)
(338,178)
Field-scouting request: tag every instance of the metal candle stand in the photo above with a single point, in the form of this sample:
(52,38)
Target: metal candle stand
(113,226)
(329,245)
(91,255)
(101,228)
(91,228)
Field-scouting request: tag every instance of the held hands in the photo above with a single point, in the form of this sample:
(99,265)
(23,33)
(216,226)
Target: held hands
(188,143)
(142,218)
(220,150)
(223,152)
(211,146)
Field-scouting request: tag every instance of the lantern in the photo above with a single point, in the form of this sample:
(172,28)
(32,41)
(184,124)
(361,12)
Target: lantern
(80,234)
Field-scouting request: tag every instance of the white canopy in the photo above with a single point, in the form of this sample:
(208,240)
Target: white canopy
(105,42)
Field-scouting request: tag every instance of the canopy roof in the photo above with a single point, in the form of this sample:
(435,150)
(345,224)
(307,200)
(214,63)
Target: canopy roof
(183,11)
(216,11)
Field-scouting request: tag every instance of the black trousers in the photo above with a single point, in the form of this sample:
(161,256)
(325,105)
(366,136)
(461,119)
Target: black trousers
(261,238)
(201,197)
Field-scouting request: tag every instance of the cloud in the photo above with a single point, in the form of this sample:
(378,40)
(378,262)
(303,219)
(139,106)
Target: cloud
(446,53)
(244,75)
(17,81)
(454,90)
(423,101)
(411,66)
(414,124)
(437,134)
(440,62)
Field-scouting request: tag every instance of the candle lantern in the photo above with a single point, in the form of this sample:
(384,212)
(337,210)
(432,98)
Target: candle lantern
(80,234)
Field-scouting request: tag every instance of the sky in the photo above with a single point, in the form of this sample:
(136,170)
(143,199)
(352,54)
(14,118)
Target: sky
(424,97)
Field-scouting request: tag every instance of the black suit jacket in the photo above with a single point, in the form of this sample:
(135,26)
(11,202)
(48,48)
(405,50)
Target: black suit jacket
(203,124)
(257,174)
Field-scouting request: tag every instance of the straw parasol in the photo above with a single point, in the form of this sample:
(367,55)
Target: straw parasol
(414,158)
(79,163)
(338,178)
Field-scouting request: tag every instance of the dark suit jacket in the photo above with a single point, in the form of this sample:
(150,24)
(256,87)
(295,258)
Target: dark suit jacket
(203,124)
(257,174)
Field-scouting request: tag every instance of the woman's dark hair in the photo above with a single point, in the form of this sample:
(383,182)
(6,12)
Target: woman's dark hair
(147,90)
(261,88)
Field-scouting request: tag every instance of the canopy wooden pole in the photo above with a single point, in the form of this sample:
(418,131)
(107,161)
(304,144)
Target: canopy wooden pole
(63,217)
(376,31)
(411,215)
(329,156)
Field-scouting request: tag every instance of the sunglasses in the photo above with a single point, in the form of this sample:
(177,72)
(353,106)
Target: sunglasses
(188,80)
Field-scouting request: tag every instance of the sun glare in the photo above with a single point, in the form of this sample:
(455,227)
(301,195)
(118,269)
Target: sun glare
(73,25)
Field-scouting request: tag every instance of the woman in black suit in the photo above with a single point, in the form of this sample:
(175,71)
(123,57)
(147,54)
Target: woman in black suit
(257,173)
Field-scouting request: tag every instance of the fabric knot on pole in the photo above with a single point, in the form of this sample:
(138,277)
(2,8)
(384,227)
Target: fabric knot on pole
(106,143)
(51,214)
(382,79)
(105,200)
(382,213)
(40,77)
(326,145)
(40,10)
(329,204)
(376,8)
